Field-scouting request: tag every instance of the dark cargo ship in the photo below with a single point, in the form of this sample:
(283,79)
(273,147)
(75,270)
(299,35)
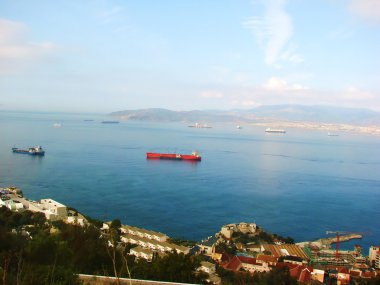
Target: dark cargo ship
(32,150)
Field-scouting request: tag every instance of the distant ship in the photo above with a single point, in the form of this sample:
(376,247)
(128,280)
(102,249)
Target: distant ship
(238,127)
(279,131)
(200,126)
(332,135)
(110,122)
(88,120)
(57,125)
(32,150)
(174,156)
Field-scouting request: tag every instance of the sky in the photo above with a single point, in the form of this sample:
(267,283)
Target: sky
(108,55)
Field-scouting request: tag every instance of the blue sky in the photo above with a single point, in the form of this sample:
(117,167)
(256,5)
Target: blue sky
(103,56)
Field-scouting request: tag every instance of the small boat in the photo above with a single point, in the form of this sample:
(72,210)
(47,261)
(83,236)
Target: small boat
(238,127)
(57,125)
(110,122)
(278,131)
(200,126)
(194,156)
(32,150)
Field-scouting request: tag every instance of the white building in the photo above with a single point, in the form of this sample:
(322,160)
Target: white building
(75,220)
(52,209)
(318,275)
(207,267)
(144,233)
(141,252)
(374,255)
(153,244)
(13,205)
(245,228)
(105,227)
(207,246)
(228,230)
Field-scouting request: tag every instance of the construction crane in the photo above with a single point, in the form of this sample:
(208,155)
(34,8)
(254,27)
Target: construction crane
(338,234)
(337,244)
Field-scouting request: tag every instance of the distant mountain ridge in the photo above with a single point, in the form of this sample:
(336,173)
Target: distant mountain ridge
(317,113)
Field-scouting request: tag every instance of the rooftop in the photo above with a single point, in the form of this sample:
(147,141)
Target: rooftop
(289,249)
(209,242)
(207,264)
(127,227)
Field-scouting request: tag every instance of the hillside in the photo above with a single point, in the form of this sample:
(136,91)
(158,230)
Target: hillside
(324,114)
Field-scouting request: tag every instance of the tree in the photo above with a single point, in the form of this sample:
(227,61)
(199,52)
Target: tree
(224,248)
(115,224)
(111,246)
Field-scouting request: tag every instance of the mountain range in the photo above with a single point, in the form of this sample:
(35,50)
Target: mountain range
(270,113)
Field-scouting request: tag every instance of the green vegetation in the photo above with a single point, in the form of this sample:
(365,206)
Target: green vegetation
(171,267)
(261,237)
(34,251)
(54,252)
(288,239)
(43,259)
(183,242)
(225,248)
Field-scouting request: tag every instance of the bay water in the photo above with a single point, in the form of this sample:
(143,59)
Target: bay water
(299,184)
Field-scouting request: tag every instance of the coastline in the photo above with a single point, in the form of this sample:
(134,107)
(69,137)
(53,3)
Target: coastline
(327,127)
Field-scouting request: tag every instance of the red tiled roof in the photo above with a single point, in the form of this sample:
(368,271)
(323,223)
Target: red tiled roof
(368,274)
(300,272)
(227,257)
(248,260)
(295,272)
(355,273)
(236,261)
(234,264)
(266,258)
(305,276)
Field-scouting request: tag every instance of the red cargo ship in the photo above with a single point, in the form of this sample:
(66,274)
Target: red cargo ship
(194,156)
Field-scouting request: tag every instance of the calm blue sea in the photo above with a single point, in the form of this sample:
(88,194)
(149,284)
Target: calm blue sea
(299,184)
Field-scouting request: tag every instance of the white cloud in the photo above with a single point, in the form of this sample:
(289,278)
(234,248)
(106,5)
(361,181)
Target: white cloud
(367,9)
(278,90)
(212,94)
(246,103)
(291,55)
(355,94)
(281,85)
(273,32)
(16,51)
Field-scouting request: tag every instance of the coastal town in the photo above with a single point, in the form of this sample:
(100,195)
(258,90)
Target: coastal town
(238,247)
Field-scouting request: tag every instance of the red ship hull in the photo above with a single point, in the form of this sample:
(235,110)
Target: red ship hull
(173,156)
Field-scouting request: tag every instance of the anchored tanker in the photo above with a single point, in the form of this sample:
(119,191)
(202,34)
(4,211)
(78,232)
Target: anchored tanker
(174,156)
(280,131)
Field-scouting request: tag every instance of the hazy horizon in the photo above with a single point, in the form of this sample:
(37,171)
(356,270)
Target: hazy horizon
(188,110)
(105,56)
